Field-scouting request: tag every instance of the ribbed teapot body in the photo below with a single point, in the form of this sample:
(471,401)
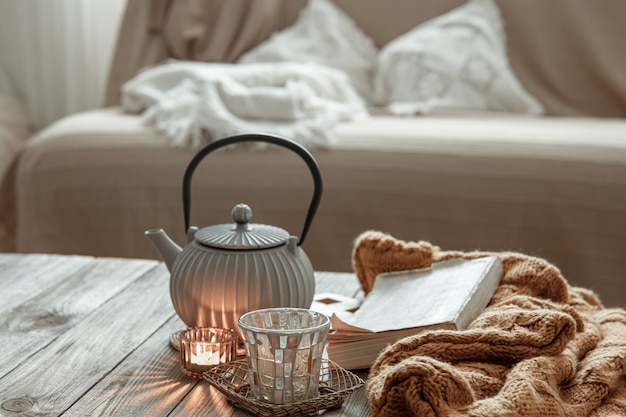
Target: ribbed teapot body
(213,287)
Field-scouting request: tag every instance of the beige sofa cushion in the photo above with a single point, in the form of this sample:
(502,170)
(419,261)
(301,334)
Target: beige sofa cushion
(323,34)
(456,60)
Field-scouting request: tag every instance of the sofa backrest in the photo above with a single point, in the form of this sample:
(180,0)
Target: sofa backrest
(569,54)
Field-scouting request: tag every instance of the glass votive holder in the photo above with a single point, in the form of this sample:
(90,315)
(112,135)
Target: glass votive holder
(284,352)
(202,348)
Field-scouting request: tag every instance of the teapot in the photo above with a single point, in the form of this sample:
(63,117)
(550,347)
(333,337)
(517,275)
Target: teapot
(226,270)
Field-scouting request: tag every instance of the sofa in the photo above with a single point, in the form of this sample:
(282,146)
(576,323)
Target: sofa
(549,182)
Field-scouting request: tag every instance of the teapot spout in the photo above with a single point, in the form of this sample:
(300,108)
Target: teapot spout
(167,249)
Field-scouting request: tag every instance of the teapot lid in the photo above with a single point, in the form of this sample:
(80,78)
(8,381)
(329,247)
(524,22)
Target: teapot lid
(243,234)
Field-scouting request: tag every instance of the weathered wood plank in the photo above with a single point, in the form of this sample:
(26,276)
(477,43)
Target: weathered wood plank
(355,405)
(32,325)
(149,382)
(25,276)
(205,401)
(59,374)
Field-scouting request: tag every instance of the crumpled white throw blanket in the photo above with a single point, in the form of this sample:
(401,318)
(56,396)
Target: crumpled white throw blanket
(194,103)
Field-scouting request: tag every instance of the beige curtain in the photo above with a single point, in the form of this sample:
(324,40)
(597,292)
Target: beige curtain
(217,30)
(56,53)
(196,30)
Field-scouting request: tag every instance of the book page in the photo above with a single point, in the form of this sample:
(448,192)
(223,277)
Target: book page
(418,298)
(340,321)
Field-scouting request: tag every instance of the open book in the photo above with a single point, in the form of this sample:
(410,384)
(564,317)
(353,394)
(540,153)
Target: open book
(449,295)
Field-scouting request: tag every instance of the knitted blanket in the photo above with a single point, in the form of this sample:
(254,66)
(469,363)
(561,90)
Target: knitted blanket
(541,348)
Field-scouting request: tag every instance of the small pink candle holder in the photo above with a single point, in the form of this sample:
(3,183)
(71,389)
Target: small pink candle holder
(202,348)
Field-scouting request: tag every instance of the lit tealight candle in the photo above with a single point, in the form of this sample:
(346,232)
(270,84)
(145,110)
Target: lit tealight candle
(203,354)
(203,348)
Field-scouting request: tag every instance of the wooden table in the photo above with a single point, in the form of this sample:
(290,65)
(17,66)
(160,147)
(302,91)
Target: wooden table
(83,336)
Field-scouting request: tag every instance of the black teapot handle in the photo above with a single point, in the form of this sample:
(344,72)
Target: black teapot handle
(257,137)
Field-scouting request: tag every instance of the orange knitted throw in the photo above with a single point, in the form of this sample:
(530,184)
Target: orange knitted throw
(541,348)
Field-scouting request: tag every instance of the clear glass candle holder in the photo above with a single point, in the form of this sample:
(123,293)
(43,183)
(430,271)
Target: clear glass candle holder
(202,348)
(284,351)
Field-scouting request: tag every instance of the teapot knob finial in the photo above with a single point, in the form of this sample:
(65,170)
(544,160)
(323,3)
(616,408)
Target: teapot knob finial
(242,213)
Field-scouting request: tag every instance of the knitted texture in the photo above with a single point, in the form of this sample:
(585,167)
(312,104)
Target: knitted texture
(541,347)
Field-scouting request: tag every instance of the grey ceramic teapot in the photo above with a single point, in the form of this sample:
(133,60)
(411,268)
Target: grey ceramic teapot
(226,270)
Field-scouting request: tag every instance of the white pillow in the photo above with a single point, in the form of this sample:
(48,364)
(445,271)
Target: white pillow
(323,34)
(457,60)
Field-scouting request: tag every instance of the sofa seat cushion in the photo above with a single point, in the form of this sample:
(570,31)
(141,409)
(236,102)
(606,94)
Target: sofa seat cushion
(446,131)
(491,134)
(92,183)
